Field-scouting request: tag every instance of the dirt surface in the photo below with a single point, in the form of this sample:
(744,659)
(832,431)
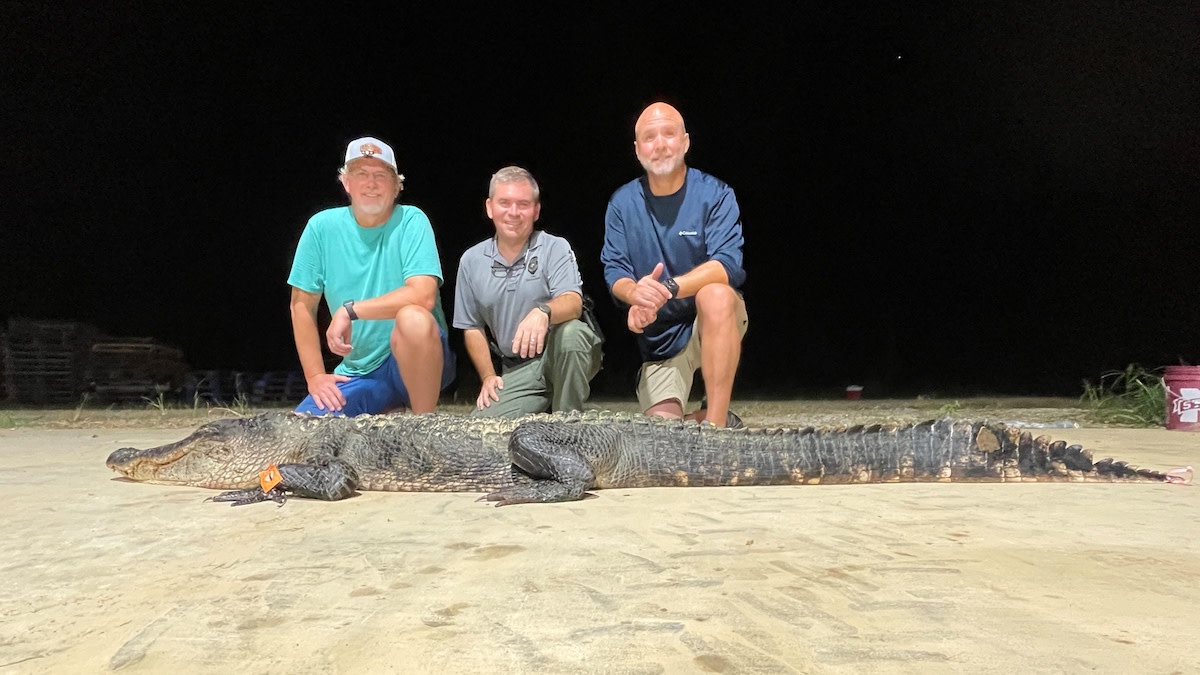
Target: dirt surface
(100,574)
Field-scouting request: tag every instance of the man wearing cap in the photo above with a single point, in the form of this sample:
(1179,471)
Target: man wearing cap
(376,264)
(524,286)
(672,257)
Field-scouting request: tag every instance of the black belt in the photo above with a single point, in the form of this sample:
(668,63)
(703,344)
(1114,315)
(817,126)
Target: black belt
(510,362)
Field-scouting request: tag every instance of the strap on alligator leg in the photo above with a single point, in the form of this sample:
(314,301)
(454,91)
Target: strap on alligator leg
(1180,476)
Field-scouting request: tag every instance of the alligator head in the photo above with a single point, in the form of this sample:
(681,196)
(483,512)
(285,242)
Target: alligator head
(223,453)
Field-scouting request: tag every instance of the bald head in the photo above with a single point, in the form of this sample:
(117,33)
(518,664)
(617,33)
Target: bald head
(656,113)
(661,142)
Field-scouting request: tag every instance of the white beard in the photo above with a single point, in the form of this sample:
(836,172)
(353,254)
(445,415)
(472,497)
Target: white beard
(372,209)
(661,167)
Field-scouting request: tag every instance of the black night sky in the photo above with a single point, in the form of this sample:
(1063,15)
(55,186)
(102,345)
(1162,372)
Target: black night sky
(990,197)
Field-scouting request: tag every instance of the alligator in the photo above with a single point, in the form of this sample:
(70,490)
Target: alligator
(559,457)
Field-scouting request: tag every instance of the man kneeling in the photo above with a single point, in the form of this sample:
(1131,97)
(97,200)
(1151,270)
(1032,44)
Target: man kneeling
(523,285)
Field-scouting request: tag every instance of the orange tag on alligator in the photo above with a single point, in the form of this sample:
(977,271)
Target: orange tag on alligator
(269,478)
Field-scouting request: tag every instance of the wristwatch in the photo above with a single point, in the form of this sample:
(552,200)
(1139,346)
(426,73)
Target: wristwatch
(544,307)
(672,286)
(349,305)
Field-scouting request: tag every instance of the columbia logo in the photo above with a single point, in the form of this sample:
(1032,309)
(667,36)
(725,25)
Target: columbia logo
(688,233)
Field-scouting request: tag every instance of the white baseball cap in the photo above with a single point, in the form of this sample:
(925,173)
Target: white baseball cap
(371,147)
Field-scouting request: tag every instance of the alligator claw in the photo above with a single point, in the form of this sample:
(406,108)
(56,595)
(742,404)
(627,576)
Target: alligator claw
(251,496)
(538,492)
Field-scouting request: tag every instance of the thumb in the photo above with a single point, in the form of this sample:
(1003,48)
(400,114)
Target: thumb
(658,270)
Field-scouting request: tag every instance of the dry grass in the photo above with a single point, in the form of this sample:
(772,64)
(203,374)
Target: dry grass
(757,412)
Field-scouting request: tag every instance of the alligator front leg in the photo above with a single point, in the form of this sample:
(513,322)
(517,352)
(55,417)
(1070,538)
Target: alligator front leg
(537,492)
(251,496)
(558,472)
(327,478)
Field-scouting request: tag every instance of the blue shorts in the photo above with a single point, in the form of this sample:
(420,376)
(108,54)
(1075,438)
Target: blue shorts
(381,389)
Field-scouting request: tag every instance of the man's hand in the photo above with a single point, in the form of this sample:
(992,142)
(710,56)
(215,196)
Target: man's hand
(639,317)
(530,338)
(649,291)
(489,393)
(338,334)
(325,392)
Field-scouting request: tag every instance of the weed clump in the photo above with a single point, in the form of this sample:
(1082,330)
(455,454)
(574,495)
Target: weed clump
(1135,396)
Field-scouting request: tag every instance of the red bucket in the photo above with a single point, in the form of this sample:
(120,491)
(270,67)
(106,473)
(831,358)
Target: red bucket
(1183,397)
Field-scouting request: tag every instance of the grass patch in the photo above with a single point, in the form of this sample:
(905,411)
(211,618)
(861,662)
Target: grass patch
(1134,396)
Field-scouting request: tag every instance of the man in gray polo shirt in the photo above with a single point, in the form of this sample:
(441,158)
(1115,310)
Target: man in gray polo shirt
(523,285)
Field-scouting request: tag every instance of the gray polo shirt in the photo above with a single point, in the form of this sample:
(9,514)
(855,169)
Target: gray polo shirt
(490,292)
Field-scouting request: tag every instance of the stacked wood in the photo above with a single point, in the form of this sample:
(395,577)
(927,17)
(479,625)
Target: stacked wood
(46,362)
(135,368)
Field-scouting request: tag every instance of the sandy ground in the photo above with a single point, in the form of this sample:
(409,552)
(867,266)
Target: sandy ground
(99,574)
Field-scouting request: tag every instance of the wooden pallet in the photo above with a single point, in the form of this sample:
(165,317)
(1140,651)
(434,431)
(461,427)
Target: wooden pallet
(46,361)
(134,368)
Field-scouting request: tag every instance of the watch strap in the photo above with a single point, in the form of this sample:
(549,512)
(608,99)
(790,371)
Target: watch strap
(349,305)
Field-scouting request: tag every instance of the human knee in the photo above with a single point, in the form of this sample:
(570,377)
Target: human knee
(414,323)
(573,336)
(717,301)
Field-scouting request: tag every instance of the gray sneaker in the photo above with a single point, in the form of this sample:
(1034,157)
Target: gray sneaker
(732,421)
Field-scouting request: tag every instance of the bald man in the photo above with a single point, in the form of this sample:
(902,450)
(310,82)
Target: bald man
(672,257)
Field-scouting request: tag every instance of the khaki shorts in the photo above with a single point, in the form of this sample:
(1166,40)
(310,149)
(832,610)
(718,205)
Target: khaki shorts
(672,379)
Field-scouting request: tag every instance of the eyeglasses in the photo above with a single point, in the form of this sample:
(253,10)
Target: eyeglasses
(510,273)
(376,176)
(500,270)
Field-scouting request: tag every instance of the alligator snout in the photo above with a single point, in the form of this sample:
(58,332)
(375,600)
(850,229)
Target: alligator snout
(119,459)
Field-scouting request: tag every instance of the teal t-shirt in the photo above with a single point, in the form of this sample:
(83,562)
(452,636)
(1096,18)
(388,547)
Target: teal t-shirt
(342,261)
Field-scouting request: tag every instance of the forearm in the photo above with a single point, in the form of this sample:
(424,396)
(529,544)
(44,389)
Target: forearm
(308,341)
(422,292)
(711,272)
(479,352)
(623,290)
(565,307)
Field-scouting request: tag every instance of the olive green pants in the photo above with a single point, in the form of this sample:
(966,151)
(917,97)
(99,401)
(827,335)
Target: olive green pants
(559,379)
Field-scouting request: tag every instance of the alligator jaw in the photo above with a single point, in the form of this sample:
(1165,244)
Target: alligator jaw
(143,465)
(171,464)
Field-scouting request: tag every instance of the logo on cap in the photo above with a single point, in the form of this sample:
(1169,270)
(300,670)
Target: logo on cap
(370,149)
